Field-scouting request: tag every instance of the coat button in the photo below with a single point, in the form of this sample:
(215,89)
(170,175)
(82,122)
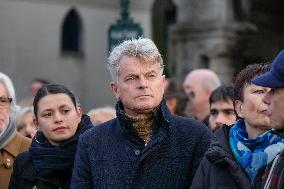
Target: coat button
(137,152)
(8,163)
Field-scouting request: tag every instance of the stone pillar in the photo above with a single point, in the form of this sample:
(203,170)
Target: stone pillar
(205,36)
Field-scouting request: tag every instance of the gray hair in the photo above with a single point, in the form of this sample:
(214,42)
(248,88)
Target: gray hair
(8,84)
(141,48)
(20,114)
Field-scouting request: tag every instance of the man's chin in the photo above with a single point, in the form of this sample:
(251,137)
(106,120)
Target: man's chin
(145,108)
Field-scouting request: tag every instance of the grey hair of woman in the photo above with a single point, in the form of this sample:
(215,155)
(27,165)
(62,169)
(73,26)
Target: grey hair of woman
(22,111)
(141,48)
(8,84)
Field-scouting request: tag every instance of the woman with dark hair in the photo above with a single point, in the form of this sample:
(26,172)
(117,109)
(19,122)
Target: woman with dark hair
(49,161)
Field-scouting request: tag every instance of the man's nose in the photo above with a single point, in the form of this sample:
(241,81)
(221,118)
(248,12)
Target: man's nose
(143,83)
(220,119)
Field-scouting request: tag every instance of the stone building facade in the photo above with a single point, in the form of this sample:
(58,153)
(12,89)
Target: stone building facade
(223,35)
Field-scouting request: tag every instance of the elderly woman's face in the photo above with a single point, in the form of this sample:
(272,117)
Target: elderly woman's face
(4,107)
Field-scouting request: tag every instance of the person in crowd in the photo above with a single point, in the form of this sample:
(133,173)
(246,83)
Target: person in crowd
(24,122)
(11,142)
(275,100)
(101,115)
(222,107)
(176,98)
(242,152)
(198,85)
(145,146)
(36,84)
(49,161)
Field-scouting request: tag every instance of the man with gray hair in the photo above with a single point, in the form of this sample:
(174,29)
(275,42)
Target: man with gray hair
(145,146)
(198,85)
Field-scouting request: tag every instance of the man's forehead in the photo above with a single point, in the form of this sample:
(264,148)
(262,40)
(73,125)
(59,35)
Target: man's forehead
(222,103)
(128,67)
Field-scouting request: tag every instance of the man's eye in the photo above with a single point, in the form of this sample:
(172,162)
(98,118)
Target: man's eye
(272,91)
(213,112)
(130,78)
(229,112)
(191,95)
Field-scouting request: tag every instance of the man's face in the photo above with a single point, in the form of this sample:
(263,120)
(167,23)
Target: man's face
(275,101)
(140,85)
(253,109)
(5,107)
(198,97)
(221,112)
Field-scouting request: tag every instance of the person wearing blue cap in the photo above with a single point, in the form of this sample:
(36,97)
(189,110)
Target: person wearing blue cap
(275,100)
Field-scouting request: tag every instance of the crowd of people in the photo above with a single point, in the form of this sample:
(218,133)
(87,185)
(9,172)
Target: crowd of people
(162,133)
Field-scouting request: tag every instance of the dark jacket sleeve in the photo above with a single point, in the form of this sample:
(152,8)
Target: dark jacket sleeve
(202,147)
(82,176)
(199,178)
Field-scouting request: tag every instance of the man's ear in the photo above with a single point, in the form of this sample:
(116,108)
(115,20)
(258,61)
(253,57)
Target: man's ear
(114,88)
(239,108)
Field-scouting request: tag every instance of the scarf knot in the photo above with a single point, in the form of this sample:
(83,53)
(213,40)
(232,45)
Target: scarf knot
(49,158)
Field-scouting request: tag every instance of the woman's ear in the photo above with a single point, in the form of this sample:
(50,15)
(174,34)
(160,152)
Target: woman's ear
(79,112)
(239,108)
(36,123)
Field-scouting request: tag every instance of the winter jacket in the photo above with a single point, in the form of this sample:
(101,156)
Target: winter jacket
(275,173)
(113,156)
(27,176)
(8,154)
(219,168)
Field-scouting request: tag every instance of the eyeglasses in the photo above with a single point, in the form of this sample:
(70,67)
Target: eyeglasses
(5,101)
(191,95)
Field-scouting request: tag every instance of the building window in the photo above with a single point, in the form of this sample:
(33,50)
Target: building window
(71,39)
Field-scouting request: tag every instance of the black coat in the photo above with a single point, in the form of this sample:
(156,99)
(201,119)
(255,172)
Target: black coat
(25,176)
(219,169)
(113,156)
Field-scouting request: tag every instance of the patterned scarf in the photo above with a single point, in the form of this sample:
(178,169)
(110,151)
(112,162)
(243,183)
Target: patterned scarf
(49,158)
(254,154)
(143,126)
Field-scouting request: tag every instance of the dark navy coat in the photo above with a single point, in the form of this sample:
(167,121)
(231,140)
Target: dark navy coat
(112,155)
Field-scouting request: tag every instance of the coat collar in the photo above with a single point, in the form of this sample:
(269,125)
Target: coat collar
(13,147)
(161,113)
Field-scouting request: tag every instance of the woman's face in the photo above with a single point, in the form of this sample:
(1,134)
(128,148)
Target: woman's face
(253,109)
(26,125)
(57,117)
(5,106)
